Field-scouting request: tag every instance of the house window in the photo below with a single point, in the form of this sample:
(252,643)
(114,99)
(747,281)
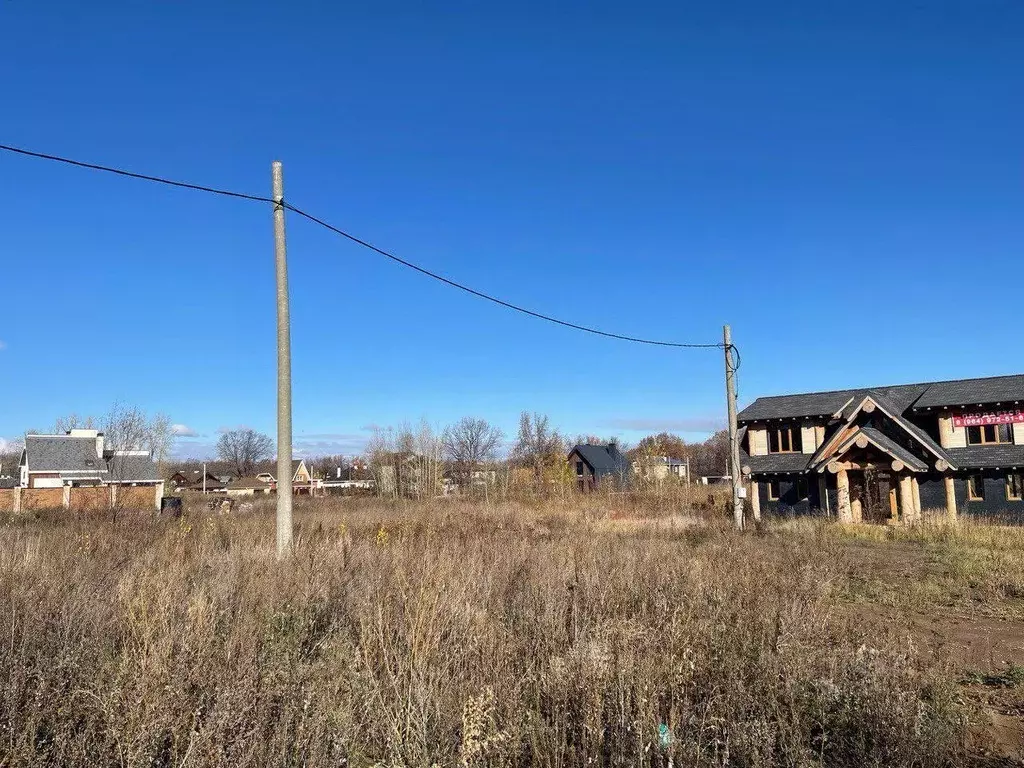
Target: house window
(992,434)
(773,490)
(801,489)
(975,488)
(784,439)
(1013,487)
(579,468)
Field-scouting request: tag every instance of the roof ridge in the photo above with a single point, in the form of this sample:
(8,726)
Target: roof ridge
(893,386)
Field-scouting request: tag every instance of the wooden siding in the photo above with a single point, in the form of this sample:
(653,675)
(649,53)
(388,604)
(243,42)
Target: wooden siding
(1018,434)
(808,438)
(950,436)
(757,441)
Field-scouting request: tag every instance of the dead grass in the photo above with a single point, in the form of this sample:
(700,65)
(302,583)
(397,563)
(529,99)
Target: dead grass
(445,634)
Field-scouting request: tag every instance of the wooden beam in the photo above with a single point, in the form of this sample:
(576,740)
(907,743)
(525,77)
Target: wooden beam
(862,442)
(897,465)
(843,487)
(941,465)
(869,406)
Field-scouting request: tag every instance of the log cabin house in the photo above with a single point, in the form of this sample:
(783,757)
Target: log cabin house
(887,453)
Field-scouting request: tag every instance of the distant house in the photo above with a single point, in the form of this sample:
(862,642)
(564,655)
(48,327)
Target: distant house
(184,479)
(303,483)
(596,465)
(661,468)
(80,459)
(346,478)
(247,486)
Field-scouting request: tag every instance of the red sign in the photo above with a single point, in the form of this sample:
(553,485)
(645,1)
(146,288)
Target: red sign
(988,419)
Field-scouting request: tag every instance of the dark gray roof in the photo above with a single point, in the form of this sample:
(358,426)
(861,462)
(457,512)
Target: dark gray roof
(603,459)
(132,469)
(63,453)
(795,406)
(775,462)
(8,482)
(982,456)
(922,437)
(996,389)
(891,447)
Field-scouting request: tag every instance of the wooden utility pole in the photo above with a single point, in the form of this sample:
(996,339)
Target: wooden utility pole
(284,372)
(734,443)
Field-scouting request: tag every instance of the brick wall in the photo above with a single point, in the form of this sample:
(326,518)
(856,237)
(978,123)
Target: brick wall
(42,498)
(89,499)
(140,497)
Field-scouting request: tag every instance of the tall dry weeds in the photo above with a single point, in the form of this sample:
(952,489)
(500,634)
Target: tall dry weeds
(447,635)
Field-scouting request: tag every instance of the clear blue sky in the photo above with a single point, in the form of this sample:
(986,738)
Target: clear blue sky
(840,181)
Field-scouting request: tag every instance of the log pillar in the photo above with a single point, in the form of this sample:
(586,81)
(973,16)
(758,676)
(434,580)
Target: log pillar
(823,495)
(917,497)
(906,500)
(755,499)
(843,493)
(950,498)
(856,510)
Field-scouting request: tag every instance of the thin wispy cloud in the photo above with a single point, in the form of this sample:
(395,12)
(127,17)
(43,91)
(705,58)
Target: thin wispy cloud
(183,430)
(3,345)
(695,424)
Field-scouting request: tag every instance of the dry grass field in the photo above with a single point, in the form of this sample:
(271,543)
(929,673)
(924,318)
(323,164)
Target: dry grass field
(570,633)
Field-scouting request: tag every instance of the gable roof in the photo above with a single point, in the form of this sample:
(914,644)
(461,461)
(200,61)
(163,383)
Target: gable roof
(603,459)
(996,389)
(64,453)
(887,445)
(837,443)
(132,468)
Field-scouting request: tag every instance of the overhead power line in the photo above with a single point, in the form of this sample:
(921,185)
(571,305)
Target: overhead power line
(129,174)
(370,246)
(488,297)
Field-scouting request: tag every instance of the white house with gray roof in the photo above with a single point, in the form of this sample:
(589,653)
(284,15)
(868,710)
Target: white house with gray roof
(79,458)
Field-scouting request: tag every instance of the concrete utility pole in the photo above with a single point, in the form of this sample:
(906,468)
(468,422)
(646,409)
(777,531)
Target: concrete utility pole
(284,372)
(734,443)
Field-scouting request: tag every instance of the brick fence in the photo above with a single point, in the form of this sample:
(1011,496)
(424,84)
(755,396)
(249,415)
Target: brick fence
(85,499)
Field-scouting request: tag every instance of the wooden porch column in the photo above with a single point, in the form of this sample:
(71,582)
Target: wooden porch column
(950,498)
(906,500)
(843,492)
(66,501)
(823,495)
(755,499)
(917,497)
(17,499)
(856,510)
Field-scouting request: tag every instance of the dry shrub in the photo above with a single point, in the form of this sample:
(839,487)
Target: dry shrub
(418,635)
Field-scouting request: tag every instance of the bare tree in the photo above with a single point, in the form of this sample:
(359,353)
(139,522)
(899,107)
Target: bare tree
(469,443)
(538,445)
(73,421)
(243,448)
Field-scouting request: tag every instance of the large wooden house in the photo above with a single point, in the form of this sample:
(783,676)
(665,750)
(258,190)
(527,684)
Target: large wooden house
(887,453)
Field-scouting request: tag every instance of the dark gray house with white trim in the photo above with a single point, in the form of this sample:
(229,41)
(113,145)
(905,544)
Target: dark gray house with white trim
(887,453)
